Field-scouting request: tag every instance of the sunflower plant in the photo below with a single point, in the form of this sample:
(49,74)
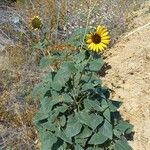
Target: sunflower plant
(76,111)
(96,40)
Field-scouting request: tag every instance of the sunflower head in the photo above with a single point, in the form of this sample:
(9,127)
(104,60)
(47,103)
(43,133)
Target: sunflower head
(98,40)
(36,23)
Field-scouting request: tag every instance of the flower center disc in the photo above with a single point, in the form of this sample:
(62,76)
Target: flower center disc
(96,38)
(36,23)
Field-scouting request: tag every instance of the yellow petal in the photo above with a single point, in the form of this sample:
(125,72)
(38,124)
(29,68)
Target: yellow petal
(100,47)
(91,46)
(96,48)
(103,31)
(105,37)
(105,41)
(103,45)
(99,29)
(88,41)
(104,34)
(89,35)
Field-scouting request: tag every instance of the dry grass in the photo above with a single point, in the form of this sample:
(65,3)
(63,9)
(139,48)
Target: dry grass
(60,19)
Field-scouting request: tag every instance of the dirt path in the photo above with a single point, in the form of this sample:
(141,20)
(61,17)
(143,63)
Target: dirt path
(129,77)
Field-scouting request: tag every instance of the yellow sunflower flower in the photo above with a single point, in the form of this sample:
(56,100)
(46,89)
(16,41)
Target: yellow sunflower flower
(98,40)
(36,23)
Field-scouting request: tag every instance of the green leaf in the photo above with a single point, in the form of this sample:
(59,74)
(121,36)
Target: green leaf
(81,142)
(97,120)
(80,57)
(78,37)
(78,147)
(86,118)
(92,104)
(114,105)
(107,114)
(47,78)
(63,136)
(58,84)
(104,103)
(63,108)
(73,127)
(40,90)
(95,148)
(49,126)
(106,129)
(63,147)
(62,98)
(62,120)
(117,133)
(123,126)
(45,61)
(96,64)
(87,86)
(48,139)
(66,98)
(39,117)
(86,132)
(98,138)
(46,105)
(86,77)
(122,145)
(63,75)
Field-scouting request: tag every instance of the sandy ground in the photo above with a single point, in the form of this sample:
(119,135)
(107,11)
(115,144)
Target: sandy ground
(129,77)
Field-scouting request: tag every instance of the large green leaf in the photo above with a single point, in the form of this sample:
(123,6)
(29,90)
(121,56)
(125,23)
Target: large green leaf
(92,104)
(78,147)
(45,61)
(85,118)
(80,57)
(63,147)
(48,139)
(40,115)
(40,90)
(78,37)
(98,138)
(63,136)
(122,145)
(104,103)
(114,105)
(86,132)
(87,86)
(48,77)
(106,129)
(96,64)
(46,105)
(107,114)
(62,108)
(95,148)
(73,126)
(123,126)
(58,84)
(86,77)
(81,142)
(63,75)
(117,133)
(65,98)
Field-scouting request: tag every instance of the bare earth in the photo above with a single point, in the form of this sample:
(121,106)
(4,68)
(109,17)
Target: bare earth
(129,77)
